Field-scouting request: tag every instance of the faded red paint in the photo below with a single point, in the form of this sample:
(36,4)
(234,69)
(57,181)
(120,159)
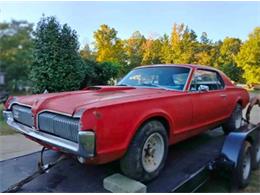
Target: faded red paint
(115,113)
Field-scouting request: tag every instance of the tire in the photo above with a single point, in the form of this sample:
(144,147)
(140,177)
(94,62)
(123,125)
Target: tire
(244,167)
(235,120)
(256,151)
(149,145)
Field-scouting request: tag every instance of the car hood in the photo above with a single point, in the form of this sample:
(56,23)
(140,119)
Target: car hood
(71,102)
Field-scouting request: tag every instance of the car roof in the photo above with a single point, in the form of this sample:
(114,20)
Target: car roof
(179,65)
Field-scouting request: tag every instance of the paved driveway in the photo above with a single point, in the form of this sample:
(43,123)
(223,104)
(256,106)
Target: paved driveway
(16,145)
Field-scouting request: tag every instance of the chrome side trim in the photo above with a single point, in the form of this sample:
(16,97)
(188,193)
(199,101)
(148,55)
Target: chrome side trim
(18,103)
(79,113)
(56,112)
(85,147)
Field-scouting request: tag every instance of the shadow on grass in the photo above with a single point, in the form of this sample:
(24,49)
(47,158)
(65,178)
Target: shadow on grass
(219,184)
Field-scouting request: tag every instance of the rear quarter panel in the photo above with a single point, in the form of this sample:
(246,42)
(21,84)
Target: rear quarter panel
(235,94)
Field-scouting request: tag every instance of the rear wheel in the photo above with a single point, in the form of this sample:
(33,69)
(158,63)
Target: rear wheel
(235,121)
(147,153)
(256,151)
(244,167)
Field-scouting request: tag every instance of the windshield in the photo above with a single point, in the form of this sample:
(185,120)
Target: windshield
(163,77)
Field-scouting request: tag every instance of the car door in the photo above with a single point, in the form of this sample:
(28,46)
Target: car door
(208,97)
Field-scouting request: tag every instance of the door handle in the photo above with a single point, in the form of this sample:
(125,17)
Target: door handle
(223,95)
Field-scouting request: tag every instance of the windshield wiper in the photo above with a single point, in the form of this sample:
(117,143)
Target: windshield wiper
(154,85)
(150,85)
(122,84)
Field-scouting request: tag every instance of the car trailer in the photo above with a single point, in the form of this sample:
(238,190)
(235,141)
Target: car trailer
(189,165)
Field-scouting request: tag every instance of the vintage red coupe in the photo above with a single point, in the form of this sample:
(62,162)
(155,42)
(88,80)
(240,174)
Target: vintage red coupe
(135,121)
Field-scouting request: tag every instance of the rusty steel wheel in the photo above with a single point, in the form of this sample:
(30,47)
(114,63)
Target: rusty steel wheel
(152,153)
(147,153)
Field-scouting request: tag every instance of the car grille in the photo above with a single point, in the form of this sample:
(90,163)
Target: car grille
(62,126)
(22,114)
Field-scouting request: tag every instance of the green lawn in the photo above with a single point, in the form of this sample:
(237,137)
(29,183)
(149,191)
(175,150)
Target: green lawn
(254,185)
(4,128)
(221,185)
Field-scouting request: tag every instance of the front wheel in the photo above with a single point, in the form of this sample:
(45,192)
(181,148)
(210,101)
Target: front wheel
(147,153)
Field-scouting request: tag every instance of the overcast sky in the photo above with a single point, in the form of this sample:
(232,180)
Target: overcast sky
(218,19)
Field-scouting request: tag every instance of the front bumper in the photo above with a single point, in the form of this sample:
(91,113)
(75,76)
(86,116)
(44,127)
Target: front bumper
(84,148)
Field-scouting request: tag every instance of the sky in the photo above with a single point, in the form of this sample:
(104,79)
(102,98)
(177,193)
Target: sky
(152,19)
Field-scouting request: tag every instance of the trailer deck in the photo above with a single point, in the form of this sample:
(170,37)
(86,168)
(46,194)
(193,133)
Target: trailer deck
(184,161)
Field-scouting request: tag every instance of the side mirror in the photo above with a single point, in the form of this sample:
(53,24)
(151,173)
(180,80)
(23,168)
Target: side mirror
(203,88)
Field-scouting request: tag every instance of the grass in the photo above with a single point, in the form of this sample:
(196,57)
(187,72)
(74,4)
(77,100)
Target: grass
(254,185)
(4,128)
(221,185)
(255,91)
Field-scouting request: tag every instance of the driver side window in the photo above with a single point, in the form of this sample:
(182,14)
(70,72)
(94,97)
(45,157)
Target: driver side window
(206,80)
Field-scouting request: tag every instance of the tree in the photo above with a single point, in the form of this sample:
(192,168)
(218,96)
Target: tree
(87,54)
(134,50)
(152,49)
(165,53)
(109,48)
(57,65)
(15,52)
(104,72)
(100,73)
(249,57)
(226,60)
(204,51)
(182,45)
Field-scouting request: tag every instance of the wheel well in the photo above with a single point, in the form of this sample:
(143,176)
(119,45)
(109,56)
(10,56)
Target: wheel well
(250,140)
(163,120)
(240,102)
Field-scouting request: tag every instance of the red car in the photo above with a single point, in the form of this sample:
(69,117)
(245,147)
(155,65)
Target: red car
(135,121)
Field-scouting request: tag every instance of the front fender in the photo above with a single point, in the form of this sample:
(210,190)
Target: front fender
(146,116)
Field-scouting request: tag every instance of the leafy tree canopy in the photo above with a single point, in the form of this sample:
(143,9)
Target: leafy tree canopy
(100,73)
(15,52)
(249,57)
(57,65)
(152,49)
(134,50)
(109,48)
(52,57)
(181,46)
(87,54)
(226,60)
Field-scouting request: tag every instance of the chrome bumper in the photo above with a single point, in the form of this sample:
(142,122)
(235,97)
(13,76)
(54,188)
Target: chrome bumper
(84,148)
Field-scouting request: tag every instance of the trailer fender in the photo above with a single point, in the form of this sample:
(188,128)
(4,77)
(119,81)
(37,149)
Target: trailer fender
(234,142)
